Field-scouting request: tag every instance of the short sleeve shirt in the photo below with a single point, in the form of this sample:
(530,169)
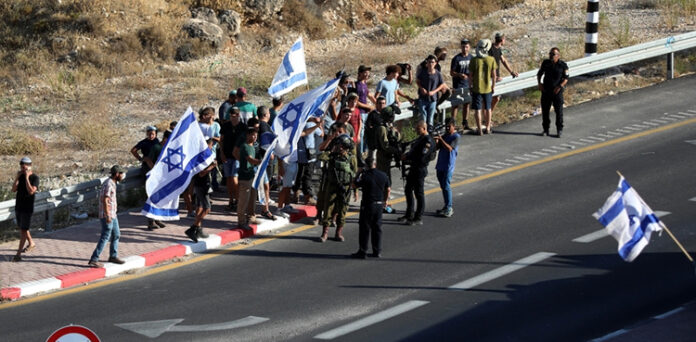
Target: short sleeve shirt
(145,145)
(497,54)
(246,169)
(232,136)
(554,74)
(388,90)
(362,93)
(446,159)
(247,110)
(108,190)
(430,82)
(460,64)
(211,131)
(481,67)
(23,201)
(374,184)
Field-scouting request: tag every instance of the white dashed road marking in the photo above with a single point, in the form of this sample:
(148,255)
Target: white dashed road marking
(501,271)
(591,237)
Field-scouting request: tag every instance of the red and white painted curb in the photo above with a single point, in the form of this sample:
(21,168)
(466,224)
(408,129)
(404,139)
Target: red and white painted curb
(147,259)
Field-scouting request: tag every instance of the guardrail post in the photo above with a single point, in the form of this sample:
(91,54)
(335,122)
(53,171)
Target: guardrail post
(670,65)
(49,220)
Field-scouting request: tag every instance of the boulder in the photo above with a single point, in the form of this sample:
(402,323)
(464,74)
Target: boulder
(205,31)
(231,21)
(264,10)
(205,13)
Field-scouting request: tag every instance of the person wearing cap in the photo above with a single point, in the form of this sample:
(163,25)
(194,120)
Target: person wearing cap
(247,110)
(459,70)
(144,146)
(26,184)
(482,80)
(446,161)
(430,84)
(555,73)
(375,191)
(109,220)
(497,53)
(232,134)
(224,110)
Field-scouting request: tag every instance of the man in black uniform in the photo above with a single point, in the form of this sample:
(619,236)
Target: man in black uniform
(418,157)
(555,72)
(375,187)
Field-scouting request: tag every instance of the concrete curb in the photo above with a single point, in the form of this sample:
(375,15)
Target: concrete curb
(150,258)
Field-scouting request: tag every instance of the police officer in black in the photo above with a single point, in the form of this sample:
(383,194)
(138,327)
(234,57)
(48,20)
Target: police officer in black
(418,157)
(376,188)
(555,72)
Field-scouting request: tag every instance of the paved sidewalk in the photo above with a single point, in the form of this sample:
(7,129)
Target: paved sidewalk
(60,257)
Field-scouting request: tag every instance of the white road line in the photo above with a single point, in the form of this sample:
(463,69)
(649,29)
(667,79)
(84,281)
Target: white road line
(370,320)
(543,154)
(614,134)
(639,126)
(648,123)
(596,138)
(531,156)
(569,146)
(688,114)
(501,271)
(548,150)
(669,313)
(693,199)
(497,167)
(513,161)
(578,143)
(669,118)
(659,120)
(661,213)
(631,128)
(522,158)
(503,163)
(559,148)
(483,169)
(610,336)
(602,233)
(691,110)
(624,131)
(678,116)
(587,141)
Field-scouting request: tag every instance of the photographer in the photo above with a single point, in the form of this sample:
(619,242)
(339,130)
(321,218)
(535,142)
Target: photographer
(418,156)
(25,185)
(446,159)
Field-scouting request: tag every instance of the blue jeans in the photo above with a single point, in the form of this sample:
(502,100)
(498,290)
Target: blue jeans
(110,231)
(445,177)
(427,111)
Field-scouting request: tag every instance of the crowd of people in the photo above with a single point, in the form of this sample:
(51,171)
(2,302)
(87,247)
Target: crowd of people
(355,145)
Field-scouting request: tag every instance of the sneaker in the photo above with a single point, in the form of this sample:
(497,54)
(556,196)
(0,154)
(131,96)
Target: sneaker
(403,219)
(415,222)
(191,233)
(116,260)
(95,264)
(376,255)
(244,226)
(448,213)
(160,224)
(440,212)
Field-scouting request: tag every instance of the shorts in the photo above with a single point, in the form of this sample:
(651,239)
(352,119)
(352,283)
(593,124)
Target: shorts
(231,168)
(23,219)
(290,174)
(460,96)
(481,101)
(202,197)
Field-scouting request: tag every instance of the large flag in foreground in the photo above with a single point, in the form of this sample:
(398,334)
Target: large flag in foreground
(185,154)
(292,118)
(628,219)
(291,73)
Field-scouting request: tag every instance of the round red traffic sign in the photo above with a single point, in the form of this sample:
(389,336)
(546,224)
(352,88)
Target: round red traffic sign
(73,333)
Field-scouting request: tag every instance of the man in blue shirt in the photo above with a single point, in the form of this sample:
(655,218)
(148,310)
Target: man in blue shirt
(446,159)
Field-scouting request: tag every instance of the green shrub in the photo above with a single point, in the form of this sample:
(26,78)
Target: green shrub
(299,17)
(401,30)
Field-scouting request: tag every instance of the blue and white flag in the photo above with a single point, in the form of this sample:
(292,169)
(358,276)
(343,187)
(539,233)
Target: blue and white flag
(185,154)
(292,118)
(628,219)
(291,73)
(257,183)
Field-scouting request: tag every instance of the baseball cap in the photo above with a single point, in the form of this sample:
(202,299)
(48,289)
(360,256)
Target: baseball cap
(345,75)
(150,128)
(363,68)
(25,160)
(234,109)
(483,46)
(232,92)
(465,41)
(117,169)
(241,91)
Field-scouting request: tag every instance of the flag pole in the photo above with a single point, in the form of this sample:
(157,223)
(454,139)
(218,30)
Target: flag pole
(662,224)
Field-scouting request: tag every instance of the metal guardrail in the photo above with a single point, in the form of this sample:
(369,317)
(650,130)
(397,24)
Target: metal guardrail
(47,202)
(666,46)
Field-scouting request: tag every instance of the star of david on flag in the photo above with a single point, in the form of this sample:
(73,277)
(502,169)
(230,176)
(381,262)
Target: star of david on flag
(628,219)
(185,154)
(291,73)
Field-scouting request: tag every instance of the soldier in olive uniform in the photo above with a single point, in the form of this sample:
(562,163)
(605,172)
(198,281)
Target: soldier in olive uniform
(341,167)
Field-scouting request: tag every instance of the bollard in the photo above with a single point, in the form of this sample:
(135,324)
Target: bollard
(592,28)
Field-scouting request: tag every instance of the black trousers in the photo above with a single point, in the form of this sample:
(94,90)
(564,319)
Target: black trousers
(414,186)
(548,99)
(370,222)
(304,179)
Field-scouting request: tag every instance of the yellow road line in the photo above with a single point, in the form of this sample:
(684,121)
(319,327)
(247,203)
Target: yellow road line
(238,246)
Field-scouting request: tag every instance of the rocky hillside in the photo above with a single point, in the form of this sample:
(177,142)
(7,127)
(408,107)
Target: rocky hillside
(80,79)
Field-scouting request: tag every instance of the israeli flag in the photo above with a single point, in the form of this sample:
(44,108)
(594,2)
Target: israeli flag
(257,183)
(629,220)
(185,154)
(292,118)
(291,73)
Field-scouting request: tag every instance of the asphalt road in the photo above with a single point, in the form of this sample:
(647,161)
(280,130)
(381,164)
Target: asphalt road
(508,251)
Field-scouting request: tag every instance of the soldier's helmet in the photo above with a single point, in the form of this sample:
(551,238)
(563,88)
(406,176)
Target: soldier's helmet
(387,114)
(345,142)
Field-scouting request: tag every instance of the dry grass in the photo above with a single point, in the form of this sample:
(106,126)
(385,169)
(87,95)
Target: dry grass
(13,142)
(93,132)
